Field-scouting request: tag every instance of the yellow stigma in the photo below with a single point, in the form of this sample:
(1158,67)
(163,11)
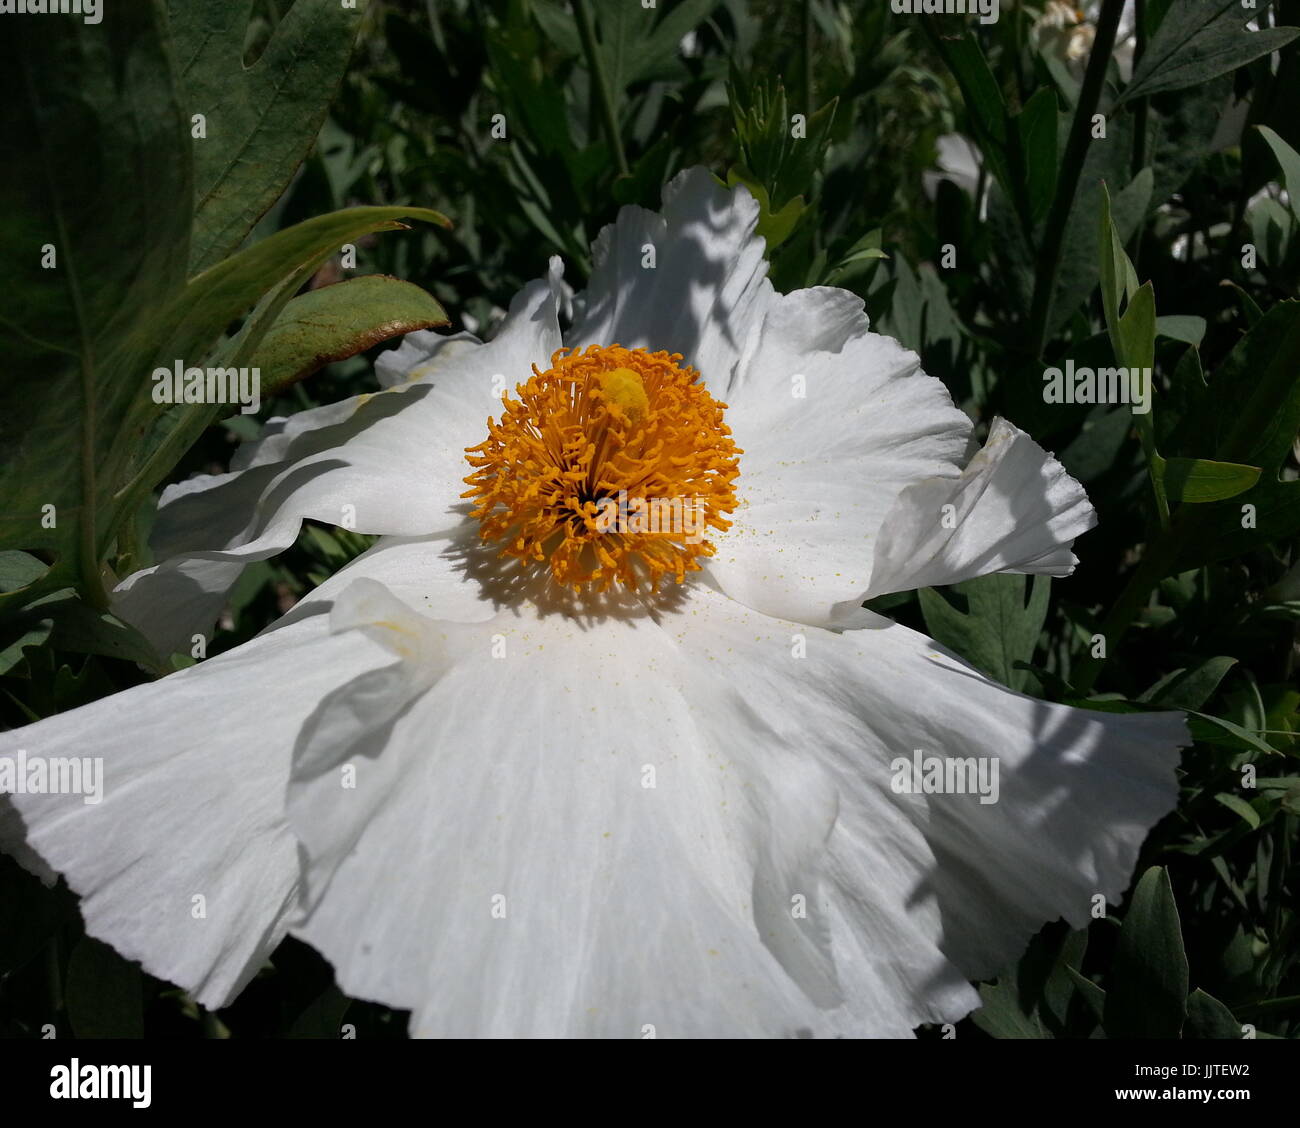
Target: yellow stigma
(607,468)
(624,389)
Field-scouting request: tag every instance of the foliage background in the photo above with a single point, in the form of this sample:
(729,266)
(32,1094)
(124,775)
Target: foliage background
(603,102)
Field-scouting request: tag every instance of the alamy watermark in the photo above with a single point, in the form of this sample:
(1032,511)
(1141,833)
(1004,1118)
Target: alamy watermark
(945,775)
(1098,385)
(178,384)
(60,775)
(91,11)
(987,10)
(685,516)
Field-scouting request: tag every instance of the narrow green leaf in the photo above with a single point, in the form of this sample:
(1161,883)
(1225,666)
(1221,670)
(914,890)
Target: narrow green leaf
(1289,160)
(1190,688)
(1036,137)
(1146,991)
(1239,806)
(1199,480)
(1093,995)
(1137,330)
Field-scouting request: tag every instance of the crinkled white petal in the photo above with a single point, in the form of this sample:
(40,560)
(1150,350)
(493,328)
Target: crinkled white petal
(1077,790)
(691,280)
(389,463)
(483,849)
(187,863)
(1013,509)
(834,422)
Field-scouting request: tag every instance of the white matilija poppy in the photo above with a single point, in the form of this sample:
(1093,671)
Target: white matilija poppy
(526,776)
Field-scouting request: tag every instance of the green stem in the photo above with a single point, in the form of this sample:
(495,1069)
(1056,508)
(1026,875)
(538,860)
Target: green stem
(1076,151)
(600,80)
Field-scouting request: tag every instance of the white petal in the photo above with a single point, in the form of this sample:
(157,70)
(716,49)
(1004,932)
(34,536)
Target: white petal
(515,783)
(704,296)
(390,463)
(834,422)
(194,773)
(1014,509)
(1077,792)
(421,354)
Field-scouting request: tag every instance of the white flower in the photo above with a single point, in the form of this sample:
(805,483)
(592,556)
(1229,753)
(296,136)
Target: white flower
(960,161)
(1068,32)
(587,814)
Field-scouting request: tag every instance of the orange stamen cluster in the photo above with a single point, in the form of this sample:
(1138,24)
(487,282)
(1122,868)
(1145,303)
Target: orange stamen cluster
(601,425)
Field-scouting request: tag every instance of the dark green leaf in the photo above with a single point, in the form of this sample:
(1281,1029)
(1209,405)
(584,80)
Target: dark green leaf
(260,120)
(999,628)
(103,993)
(1146,990)
(1198,40)
(1209,1018)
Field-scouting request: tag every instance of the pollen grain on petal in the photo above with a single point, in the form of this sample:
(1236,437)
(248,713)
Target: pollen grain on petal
(607,468)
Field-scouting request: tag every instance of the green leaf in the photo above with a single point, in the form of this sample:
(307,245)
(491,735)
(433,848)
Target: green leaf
(323,1017)
(1093,995)
(29,638)
(1199,41)
(1259,379)
(261,120)
(1209,1018)
(1060,990)
(773,227)
(1001,1015)
(103,993)
(998,630)
(1137,330)
(1289,160)
(1238,805)
(1146,991)
(339,321)
(275,267)
(1118,278)
(1223,733)
(1190,688)
(97,167)
(1036,140)
(1199,480)
(783,164)
(18,569)
(77,627)
(638,49)
(1266,361)
(1189,330)
(1080,261)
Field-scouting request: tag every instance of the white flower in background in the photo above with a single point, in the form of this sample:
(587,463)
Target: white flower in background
(1067,32)
(517,808)
(960,161)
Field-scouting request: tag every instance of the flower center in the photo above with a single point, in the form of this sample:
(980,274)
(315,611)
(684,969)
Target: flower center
(609,467)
